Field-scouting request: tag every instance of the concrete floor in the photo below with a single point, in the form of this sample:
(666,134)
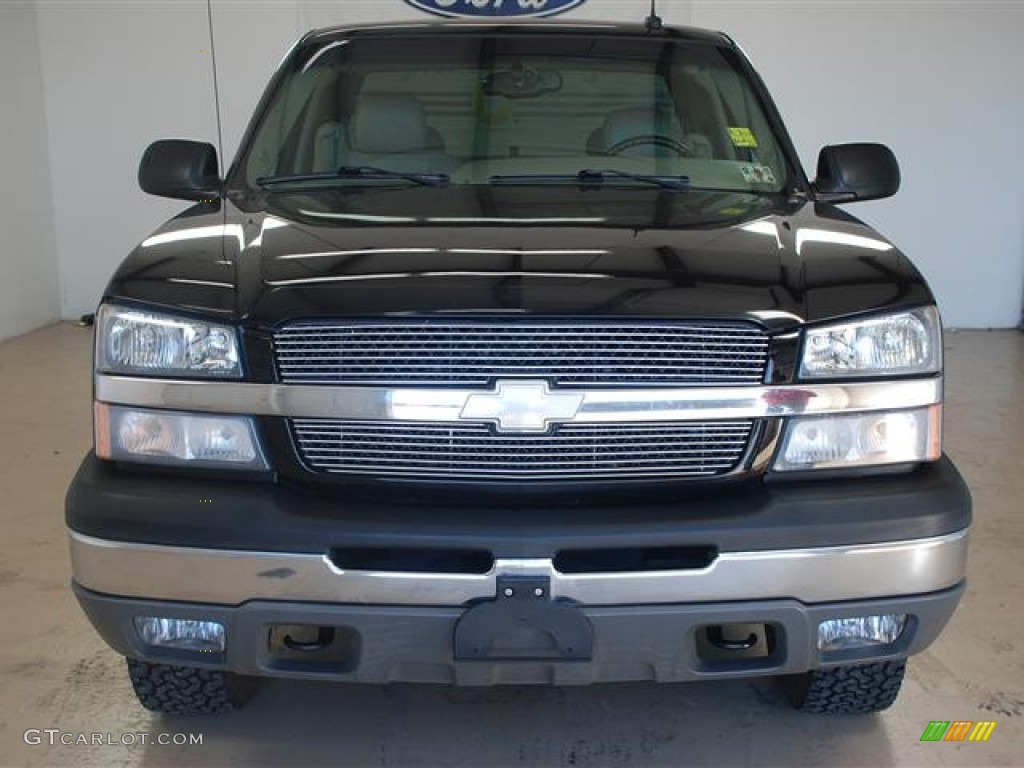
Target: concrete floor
(56,673)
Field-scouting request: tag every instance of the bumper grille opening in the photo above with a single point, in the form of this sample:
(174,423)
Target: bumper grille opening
(723,647)
(313,648)
(409,560)
(634,559)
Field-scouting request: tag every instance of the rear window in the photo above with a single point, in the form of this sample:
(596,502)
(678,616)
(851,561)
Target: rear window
(478,107)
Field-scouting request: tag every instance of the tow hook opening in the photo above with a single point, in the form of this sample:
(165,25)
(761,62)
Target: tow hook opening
(311,647)
(721,647)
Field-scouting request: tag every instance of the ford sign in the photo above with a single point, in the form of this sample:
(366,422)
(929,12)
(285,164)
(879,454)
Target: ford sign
(497,9)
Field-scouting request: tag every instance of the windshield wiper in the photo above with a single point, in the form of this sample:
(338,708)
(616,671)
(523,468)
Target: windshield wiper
(358,172)
(593,176)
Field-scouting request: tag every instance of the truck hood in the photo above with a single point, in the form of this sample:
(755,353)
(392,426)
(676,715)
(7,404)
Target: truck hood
(269,258)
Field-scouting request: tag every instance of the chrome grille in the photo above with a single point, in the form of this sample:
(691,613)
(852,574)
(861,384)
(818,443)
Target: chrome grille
(568,451)
(477,353)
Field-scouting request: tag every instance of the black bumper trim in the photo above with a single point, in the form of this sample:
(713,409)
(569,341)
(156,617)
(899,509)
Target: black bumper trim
(415,644)
(112,504)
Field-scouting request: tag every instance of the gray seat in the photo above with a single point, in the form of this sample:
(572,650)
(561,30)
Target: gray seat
(330,148)
(646,132)
(390,131)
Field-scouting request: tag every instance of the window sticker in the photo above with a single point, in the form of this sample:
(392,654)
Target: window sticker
(757,174)
(742,137)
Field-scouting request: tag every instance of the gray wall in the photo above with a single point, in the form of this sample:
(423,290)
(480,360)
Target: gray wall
(28,255)
(943,84)
(938,81)
(117,76)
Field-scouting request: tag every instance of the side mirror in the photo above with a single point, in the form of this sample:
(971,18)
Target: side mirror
(185,170)
(849,172)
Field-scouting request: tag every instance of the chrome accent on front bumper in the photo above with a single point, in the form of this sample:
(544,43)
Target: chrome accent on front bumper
(598,406)
(230,577)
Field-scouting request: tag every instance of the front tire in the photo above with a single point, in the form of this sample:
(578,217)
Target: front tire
(174,690)
(853,690)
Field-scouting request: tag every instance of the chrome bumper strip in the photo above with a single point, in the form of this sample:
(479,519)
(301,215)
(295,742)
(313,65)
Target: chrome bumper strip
(450,405)
(229,577)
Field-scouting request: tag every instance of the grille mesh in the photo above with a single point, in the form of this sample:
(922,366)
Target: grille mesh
(477,353)
(568,451)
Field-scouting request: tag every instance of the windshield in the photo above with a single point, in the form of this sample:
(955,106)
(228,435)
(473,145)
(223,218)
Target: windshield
(500,109)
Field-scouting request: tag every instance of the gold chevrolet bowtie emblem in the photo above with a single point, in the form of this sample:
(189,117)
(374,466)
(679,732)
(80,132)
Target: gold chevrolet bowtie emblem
(522,406)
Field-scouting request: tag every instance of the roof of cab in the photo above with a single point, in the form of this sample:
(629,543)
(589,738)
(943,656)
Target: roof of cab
(523,27)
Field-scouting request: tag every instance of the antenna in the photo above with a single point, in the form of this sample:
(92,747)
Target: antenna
(653,23)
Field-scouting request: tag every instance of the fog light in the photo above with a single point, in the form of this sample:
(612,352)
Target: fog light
(184,634)
(860,632)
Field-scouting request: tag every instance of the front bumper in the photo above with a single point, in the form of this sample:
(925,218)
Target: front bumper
(175,510)
(416,627)
(257,557)
(383,644)
(233,577)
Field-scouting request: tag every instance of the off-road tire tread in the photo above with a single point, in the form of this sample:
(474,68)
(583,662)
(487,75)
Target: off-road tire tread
(853,690)
(175,690)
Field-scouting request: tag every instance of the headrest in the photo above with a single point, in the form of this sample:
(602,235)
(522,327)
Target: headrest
(630,123)
(385,123)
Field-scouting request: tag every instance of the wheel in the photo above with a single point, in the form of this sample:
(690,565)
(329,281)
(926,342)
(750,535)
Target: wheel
(176,690)
(665,142)
(855,690)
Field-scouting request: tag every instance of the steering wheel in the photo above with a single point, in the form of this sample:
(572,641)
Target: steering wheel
(666,142)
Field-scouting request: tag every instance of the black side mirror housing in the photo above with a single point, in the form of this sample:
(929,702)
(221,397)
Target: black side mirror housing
(185,170)
(850,172)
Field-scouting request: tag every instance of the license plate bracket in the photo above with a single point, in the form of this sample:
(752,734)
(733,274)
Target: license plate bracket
(523,623)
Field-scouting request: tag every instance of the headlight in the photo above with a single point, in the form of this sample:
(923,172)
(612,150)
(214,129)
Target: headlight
(180,439)
(133,341)
(863,439)
(896,344)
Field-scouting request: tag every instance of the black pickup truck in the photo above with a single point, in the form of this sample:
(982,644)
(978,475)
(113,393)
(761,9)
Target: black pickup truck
(510,354)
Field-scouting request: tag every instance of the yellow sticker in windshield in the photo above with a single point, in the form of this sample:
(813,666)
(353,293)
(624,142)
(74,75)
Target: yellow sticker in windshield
(742,137)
